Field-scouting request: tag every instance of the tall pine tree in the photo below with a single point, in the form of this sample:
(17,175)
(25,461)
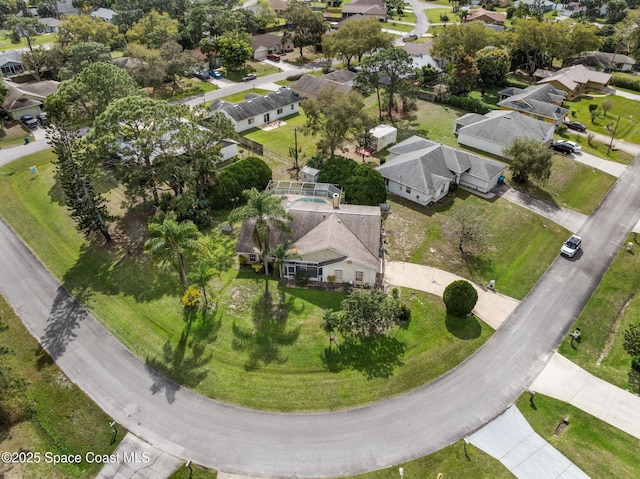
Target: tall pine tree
(75,172)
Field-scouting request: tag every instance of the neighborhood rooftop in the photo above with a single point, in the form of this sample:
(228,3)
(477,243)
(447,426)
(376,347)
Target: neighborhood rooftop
(255,104)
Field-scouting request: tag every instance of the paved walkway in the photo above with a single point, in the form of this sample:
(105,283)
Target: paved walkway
(610,167)
(511,440)
(139,459)
(626,94)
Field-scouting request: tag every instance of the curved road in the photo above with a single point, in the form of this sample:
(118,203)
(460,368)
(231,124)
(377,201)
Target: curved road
(239,440)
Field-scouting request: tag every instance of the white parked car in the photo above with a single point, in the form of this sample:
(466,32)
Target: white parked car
(571,246)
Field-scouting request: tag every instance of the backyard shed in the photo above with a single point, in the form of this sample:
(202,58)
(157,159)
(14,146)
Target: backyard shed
(383,136)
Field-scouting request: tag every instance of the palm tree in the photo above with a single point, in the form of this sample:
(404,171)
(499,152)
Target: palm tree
(282,253)
(169,243)
(201,276)
(267,211)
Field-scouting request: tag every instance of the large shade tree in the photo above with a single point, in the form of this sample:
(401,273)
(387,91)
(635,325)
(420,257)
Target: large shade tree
(529,159)
(266,212)
(355,39)
(306,26)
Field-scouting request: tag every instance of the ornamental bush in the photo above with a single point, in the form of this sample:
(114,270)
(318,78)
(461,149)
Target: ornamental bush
(460,297)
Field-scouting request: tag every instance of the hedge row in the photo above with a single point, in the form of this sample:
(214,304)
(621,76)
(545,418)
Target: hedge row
(628,83)
(470,104)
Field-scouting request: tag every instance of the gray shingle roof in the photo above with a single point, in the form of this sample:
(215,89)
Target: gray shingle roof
(538,100)
(256,105)
(352,231)
(340,76)
(424,165)
(502,127)
(308,84)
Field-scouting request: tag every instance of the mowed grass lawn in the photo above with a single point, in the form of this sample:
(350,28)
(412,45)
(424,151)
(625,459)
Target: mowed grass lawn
(261,351)
(48,413)
(611,309)
(627,110)
(523,244)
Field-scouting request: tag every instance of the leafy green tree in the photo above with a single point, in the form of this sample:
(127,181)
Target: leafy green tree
(151,71)
(85,28)
(25,27)
(81,55)
(365,187)
(130,134)
(616,11)
(130,11)
(574,39)
(631,343)
(3,92)
(267,211)
(592,8)
(41,60)
(209,47)
(170,242)
(334,116)
(538,42)
(355,39)
(89,93)
(243,175)
(368,314)
(265,15)
(427,75)
(176,60)
(529,158)
(201,277)
(466,228)
(281,253)
(493,65)
(463,76)
(336,170)
(153,29)
(468,37)
(393,66)
(306,26)
(460,297)
(234,49)
(75,171)
(331,322)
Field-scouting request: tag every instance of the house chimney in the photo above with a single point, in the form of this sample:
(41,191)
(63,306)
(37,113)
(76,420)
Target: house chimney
(336,201)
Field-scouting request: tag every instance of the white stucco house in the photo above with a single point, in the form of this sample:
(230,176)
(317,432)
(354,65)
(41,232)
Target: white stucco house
(257,110)
(497,129)
(422,171)
(335,242)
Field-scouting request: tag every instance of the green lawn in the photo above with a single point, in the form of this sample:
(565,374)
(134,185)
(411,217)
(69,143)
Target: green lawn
(624,108)
(596,148)
(240,96)
(14,136)
(235,354)
(523,243)
(405,17)
(48,413)
(259,68)
(5,42)
(598,449)
(433,15)
(610,310)
(390,25)
(189,87)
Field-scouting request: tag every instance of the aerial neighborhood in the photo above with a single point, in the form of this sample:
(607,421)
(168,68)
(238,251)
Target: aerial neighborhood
(228,227)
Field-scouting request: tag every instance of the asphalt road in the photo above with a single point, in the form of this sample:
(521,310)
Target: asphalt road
(239,440)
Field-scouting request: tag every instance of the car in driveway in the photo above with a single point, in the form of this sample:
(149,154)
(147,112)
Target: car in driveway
(274,57)
(201,74)
(574,146)
(215,74)
(249,77)
(571,246)
(561,147)
(29,122)
(42,118)
(575,125)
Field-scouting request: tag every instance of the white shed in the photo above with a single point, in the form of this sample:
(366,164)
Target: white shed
(383,136)
(309,175)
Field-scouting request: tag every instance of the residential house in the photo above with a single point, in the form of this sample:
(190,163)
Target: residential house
(366,8)
(606,61)
(546,5)
(331,240)
(27,98)
(485,16)
(497,129)
(344,76)
(11,64)
(258,110)
(65,7)
(50,24)
(577,80)
(542,102)
(422,171)
(105,14)
(278,6)
(265,43)
(421,54)
(308,86)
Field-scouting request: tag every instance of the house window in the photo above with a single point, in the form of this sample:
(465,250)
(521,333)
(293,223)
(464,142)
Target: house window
(279,111)
(408,190)
(252,258)
(251,121)
(338,274)
(266,117)
(359,276)
(292,107)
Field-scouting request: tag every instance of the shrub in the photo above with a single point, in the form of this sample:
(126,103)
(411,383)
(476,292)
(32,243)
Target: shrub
(562,128)
(191,297)
(301,278)
(460,297)
(470,104)
(295,77)
(624,82)
(593,107)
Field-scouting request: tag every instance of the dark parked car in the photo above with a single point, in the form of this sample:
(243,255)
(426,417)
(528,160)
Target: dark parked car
(201,74)
(576,125)
(561,147)
(249,77)
(28,121)
(41,118)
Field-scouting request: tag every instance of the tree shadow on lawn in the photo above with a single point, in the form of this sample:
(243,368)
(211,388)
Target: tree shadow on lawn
(463,328)
(375,357)
(184,364)
(269,334)
(634,380)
